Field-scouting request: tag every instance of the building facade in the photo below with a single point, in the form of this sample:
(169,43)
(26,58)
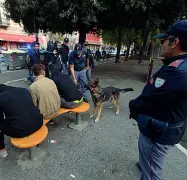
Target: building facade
(13,36)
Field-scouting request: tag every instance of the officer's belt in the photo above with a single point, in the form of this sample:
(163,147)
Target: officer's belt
(79,69)
(78,101)
(144,120)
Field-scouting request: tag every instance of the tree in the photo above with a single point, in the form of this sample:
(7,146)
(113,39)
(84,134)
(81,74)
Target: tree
(54,15)
(119,15)
(161,14)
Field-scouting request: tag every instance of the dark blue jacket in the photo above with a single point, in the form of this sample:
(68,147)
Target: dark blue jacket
(64,51)
(165,98)
(79,63)
(34,57)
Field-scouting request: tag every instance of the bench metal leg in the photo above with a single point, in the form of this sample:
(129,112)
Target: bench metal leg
(78,125)
(32,153)
(78,119)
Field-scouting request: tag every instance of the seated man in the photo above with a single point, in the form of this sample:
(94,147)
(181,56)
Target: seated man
(70,95)
(44,93)
(19,117)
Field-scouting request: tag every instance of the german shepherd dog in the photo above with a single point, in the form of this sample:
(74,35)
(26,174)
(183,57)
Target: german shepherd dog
(101,95)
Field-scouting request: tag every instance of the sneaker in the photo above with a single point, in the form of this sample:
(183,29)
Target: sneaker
(3,153)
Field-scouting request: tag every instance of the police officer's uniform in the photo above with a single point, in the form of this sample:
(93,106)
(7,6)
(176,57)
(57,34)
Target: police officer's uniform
(79,68)
(161,112)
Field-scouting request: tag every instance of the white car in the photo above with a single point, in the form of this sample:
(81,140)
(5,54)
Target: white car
(115,52)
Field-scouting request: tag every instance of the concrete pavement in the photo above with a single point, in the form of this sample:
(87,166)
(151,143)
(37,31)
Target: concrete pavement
(106,150)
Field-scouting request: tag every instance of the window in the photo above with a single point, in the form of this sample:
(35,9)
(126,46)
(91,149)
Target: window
(13,45)
(3,45)
(22,45)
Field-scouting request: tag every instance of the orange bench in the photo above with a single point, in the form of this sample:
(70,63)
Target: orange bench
(78,125)
(36,138)
(31,141)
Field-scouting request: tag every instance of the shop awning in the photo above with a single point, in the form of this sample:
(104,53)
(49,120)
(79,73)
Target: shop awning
(93,39)
(18,38)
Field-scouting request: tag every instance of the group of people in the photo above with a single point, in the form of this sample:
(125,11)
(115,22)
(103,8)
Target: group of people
(45,95)
(78,64)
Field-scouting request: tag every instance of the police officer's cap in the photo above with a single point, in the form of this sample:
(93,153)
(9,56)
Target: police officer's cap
(178,29)
(66,40)
(78,48)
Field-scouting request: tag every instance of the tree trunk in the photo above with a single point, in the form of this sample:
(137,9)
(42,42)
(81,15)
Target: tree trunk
(127,53)
(135,47)
(149,52)
(118,45)
(82,36)
(36,35)
(146,34)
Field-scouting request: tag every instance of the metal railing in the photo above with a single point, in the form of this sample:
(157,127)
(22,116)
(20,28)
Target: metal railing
(4,22)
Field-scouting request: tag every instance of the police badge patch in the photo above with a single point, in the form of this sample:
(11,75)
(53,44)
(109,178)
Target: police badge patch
(159,82)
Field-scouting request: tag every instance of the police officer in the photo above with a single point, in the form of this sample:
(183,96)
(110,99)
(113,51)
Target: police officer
(91,65)
(64,52)
(161,108)
(79,64)
(32,58)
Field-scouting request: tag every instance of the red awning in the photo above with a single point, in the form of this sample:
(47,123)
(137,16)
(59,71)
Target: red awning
(93,38)
(18,38)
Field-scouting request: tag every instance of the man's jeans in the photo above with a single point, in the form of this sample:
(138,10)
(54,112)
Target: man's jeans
(30,78)
(64,68)
(81,79)
(89,75)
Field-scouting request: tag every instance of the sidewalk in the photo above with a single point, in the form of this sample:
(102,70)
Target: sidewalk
(106,150)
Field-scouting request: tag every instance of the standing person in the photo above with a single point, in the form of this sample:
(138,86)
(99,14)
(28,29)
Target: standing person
(32,58)
(50,46)
(104,54)
(19,117)
(161,108)
(91,65)
(56,60)
(98,55)
(64,52)
(44,93)
(79,64)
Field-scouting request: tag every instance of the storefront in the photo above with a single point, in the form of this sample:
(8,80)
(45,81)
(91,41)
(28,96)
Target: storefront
(14,41)
(93,42)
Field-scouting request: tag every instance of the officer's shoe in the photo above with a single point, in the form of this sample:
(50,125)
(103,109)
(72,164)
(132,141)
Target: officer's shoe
(86,100)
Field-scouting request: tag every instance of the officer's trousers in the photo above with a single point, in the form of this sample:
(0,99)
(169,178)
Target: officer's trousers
(151,158)
(81,79)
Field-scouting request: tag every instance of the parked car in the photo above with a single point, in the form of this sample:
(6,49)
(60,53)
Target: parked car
(114,52)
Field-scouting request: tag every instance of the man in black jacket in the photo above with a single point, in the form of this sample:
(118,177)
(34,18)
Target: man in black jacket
(64,52)
(19,117)
(69,94)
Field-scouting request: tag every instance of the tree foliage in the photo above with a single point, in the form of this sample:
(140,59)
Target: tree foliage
(54,15)
(110,16)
